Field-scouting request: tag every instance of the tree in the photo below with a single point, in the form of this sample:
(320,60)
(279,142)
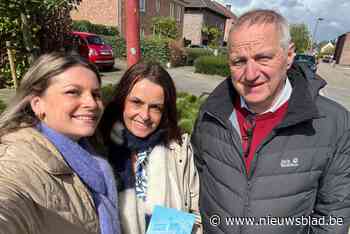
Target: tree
(33,27)
(35,21)
(300,37)
(164,27)
(213,34)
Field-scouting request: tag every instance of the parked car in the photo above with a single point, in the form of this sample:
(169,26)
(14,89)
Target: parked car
(92,47)
(327,58)
(308,60)
(201,47)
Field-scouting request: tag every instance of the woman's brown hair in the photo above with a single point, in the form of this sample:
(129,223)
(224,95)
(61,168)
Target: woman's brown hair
(155,73)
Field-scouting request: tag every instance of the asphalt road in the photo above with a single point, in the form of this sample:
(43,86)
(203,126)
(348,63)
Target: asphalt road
(338,83)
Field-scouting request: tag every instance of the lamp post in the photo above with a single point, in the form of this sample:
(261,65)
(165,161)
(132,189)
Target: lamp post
(313,41)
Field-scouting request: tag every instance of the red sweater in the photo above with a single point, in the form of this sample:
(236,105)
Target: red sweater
(264,124)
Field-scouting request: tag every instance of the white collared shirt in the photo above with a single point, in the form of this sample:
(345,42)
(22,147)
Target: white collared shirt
(282,98)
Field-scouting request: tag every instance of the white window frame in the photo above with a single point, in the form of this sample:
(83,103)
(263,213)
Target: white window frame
(142,5)
(157,6)
(172,10)
(178,13)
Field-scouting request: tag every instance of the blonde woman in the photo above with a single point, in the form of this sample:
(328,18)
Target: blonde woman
(50,179)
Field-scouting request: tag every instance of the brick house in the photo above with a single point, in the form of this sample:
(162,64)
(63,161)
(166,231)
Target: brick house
(229,21)
(106,12)
(112,12)
(342,50)
(201,13)
(154,8)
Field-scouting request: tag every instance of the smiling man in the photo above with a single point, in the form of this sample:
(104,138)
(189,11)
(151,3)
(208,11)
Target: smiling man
(267,145)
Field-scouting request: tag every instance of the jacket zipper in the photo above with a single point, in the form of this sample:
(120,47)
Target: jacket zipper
(255,158)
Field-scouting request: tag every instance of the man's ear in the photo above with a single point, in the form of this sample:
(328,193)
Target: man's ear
(290,54)
(37,106)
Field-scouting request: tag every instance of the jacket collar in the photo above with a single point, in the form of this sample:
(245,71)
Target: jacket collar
(301,106)
(44,153)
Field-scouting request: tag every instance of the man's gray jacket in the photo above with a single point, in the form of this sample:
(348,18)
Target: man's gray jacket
(302,169)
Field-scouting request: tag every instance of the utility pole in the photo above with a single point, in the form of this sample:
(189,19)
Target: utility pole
(132,27)
(314,34)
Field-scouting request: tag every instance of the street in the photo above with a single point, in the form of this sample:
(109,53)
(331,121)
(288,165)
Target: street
(184,77)
(338,79)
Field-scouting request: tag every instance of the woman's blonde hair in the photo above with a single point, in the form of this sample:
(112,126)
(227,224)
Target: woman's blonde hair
(35,82)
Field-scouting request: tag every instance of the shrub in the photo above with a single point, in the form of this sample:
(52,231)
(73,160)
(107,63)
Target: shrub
(187,107)
(157,49)
(86,26)
(223,51)
(194,53)
(177,53)
(165,27)
(152,48)
(217,65)
(118,44)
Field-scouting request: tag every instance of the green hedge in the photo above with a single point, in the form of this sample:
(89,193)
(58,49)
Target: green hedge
(194,53)
(86,26)
(214,65)
(151,48)
(118,44)
(156,49)
(187,108)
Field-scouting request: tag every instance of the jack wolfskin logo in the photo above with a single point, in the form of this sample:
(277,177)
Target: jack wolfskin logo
(290,163)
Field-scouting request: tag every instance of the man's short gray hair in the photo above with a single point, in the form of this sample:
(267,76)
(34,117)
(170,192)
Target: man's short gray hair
(262,16)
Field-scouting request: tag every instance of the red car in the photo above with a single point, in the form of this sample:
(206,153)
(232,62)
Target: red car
(92,47)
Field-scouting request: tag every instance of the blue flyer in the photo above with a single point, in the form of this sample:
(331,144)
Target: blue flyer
(170,221)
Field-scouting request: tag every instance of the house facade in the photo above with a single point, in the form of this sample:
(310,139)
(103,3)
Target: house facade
(200,14)
(158,8)
(106,12)
(327,47)
(112,13)
(342,50)
(229,21)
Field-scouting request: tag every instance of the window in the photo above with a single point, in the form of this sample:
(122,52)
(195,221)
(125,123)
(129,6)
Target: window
(143,5)
(179,12)
(158,6)
(95,40)
(172,10)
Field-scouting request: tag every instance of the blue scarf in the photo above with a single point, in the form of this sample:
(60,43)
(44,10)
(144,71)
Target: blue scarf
(95,172)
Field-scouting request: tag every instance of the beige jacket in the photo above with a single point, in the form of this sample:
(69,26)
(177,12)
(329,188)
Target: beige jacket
(39,193)
(172,182)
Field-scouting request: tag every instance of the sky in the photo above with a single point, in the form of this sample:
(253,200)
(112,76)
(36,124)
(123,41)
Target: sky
(335,14)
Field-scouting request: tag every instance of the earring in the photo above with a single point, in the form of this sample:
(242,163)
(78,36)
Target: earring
(41,116)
